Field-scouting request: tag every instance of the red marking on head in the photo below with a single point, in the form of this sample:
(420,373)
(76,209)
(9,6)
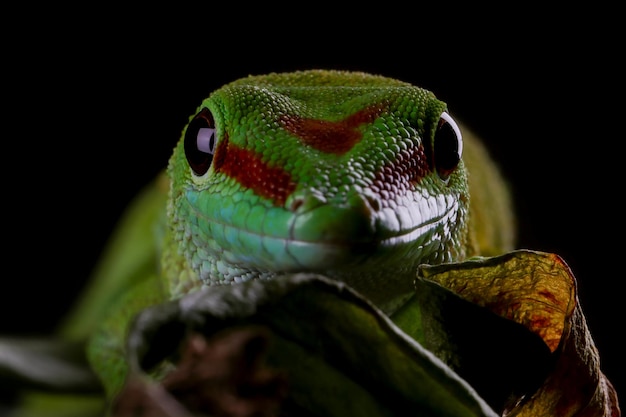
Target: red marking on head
(331,137)
(396,177)
(249,170)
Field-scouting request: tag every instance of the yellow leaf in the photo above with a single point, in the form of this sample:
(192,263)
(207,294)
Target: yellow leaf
(538,290)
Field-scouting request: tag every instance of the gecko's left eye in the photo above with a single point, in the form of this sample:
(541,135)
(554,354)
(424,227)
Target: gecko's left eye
(200,142)
(448,146)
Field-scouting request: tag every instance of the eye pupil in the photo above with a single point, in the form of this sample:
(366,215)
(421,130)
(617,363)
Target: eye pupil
(200,142)
(448,146)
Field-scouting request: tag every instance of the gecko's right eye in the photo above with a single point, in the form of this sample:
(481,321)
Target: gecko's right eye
(200,142)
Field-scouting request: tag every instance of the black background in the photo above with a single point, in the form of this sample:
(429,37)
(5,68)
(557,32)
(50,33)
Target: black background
(93,105)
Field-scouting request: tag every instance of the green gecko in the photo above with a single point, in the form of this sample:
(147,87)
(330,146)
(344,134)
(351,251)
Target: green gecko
(355,176)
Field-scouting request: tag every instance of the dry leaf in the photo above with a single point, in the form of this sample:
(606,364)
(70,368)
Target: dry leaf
(538,291)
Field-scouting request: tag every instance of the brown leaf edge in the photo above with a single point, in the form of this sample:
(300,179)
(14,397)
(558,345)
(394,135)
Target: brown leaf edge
(576,386)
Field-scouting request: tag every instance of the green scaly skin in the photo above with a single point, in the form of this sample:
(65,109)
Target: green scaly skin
(321,172)
(347,174)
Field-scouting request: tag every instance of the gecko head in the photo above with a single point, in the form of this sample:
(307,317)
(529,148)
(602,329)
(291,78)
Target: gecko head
(275,175)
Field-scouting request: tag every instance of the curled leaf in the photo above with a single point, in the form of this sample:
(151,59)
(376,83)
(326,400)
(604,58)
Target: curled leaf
(341,355)
(537,291)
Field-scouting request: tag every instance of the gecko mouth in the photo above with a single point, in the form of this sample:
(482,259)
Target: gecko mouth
(328,237)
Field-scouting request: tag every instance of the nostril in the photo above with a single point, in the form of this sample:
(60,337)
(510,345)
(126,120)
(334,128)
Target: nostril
(304,201)
(296,204)
(372,200)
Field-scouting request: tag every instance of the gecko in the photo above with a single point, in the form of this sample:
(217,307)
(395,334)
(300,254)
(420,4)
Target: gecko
(356,176)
